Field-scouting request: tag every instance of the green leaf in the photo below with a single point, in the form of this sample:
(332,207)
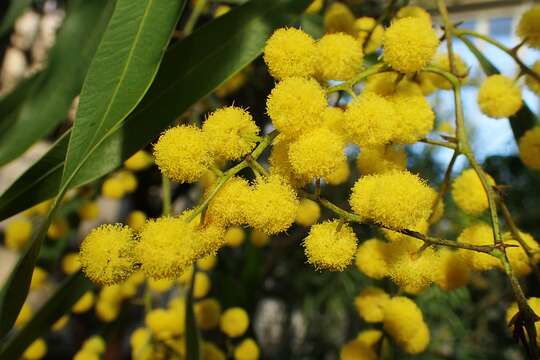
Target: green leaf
(524,119)
(193,344)
(16,9)
(216,51)
(44,100)
(59,304)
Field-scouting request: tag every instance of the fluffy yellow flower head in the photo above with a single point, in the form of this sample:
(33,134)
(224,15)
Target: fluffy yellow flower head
(268,195)
(234,236)
(89,211)
(478,234)
(167,246)
(415,117)
(521,264)
(315,7)
(469,194)
(308,212)
(36,350)
(338,18)
(113,188)
(247,350)
(403,320)
(388,83)
(70,263)
(212,352)
(259,238)
(330,248)
(106,254)
(231,133)
(182,153)
(370,337)
(499,97)
(532,83)
(396,199)
(207,313)
(413,11)
(340,57)
(366,25)
(84,304)
(370,120)
(529,148)
(441,61)
(24,316)
(136,220)
(317,154)
(357,350)
(371,258)
(534,303)
(370,304)
(409,44)
(296,105)
(228,205)
(333,120)
(290,52)
(94,344)
(17,233)
(340,175)
(39,276)
(381,159)
(452,271)
(280,164)
(139,161)
(163,324)
(529,26)
(234,322)
(202,285)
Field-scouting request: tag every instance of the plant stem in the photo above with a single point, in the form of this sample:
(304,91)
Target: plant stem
(444,186)
(348,85)
(194,16)
(445,144)
(166,189)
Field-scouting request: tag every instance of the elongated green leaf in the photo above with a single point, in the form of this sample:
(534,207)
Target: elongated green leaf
(524,119)
(16,9)
(59,304)
(47,97)
(193,345)
(217,51)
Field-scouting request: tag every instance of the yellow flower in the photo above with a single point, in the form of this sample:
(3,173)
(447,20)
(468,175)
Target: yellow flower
(534,303)
(247,350)
(60,323)
(234,322)
(371,259)
(207,313)
(139,161)
(338,18)
(202,285)
(333,120)
(329,247)
(228,205)
(388,83)
(413,11)
(340,175)
(207,263)
(315,7)
(39,276)
(381,159)
(370,120)
(415,117)
(17,233)
(529,27)
(357,350)
(533,83)
(113,188)
(290,52)
(529,148)
(296,105)
(370,337)
(128,180)
(235,236)
(94,344)
(317,154)
(478,234)
(452,272)
(366,25)
(89,211)
(231,132)
(106,254)
(36,350)
(70,263)
(340,57)
(212,352)
(370,304)
(442,61)
(259,238)
(136,220)
(57,229)
(521,264)
(469,194)
(84,304)
(499,97)
(24,316)
(182,153)
(281,166)
(160,285)
(409,44)
(396,199)
(163,324)
(308,213)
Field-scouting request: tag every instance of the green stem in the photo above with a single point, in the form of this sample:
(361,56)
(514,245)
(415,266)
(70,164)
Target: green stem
(348,85)
(194,16)
(445,144)
(166,189)
(444,186)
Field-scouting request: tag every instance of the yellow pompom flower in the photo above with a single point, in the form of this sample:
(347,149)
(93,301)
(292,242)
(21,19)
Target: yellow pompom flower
(60,323)
(36,350)
(370,120)
(39,276)
(113,188)
(228,205)
(247,350)
(234,236)
(136,220)
(231,133)
(529,148)
(413,11)
(529,27)
(24,316)
(207,263)
(415,117)
(296,105)
(340,175)
(452,272)
(396,199)
(338,18)
(268,195)
(71,263)
(478,234)
(534,303)
(281,166)
(442,61)
(370,337)
(167,246)
(182,153)
(518,258)
(330,246)
(532,83)
(308,213)
(314,7)
(207,313)
(317,153)
(234,322)
(333,120)
(94,344)
(128,180)
(160,285)
(141,343)
(381,159)
(371,258)
(17,233)
(340,57)
(57,229)
(259,238)
(139,161)
(290,52)
(386,84)
(404,322)
(89,211)
(202,285)
(357,350)
(163,324)
(499,97)
(363,27)
(84,304)
(106,254)
(469,194)
(370,304)
(409,44)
